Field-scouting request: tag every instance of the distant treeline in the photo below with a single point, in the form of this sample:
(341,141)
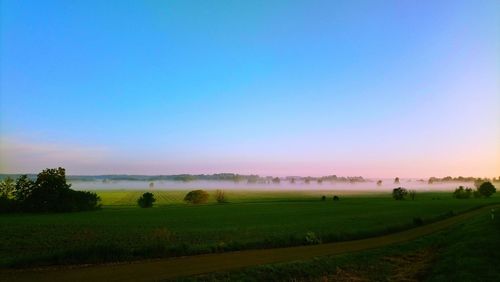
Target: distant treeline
(461,179)
(192,177)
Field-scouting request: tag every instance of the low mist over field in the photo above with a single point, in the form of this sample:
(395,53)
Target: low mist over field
(370,185)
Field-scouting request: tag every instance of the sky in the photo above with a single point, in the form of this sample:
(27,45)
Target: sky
(370,88)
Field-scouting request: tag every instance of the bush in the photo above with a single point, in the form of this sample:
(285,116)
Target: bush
(146,200)
(311,238)
(486,189)
(220,196)
(462,193)
(399,193)
(336,198)
(196,197)
(323,198)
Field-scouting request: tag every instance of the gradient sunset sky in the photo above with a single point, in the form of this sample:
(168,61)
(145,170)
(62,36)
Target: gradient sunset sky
(370,88)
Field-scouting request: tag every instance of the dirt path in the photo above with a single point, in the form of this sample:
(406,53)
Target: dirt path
(153,270)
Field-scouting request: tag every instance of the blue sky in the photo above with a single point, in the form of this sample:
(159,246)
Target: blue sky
(373,88)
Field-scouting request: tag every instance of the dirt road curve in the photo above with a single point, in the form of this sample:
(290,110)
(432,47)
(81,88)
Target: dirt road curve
(154,270)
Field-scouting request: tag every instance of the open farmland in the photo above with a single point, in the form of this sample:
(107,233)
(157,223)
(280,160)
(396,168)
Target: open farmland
(122,231)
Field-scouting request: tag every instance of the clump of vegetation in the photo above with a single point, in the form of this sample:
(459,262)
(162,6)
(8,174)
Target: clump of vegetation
(462,193)
(336,198)
(399,193)
(48,193)
(312,239)
(486,189)
(220,196)
(196,197)
(323,198)
(146,200)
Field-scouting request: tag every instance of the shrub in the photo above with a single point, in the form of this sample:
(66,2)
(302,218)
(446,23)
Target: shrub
(146,200)
(462,193)
(323,198)
(311,238)
(196,197)
(399,193)
(336,198)
(220,196)
(486,189)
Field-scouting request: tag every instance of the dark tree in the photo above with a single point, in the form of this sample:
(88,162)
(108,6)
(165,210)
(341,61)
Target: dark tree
(486,189)
(323,198)
(23,188)
(51,193)
(462,193)
(336,198)
(196,197)
(146,200)
(276,180)
(396,180)
(379,183)
(399,193)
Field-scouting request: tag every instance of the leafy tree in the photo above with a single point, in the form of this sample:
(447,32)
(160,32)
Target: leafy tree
(51,193)
(399,193)
(276,180)
(146,200)
(196,197)
(336,198)
(323,198)
(7,187)
(220,196)
(486,189)
(379,183)
(23,188)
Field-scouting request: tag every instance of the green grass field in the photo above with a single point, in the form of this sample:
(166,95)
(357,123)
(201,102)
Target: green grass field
(468,251)
(123,231)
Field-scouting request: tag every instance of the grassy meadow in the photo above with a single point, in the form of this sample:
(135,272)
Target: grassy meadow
(252,219)
(464,252)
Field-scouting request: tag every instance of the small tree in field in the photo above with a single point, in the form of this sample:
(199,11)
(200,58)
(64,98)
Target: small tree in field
(396,180)
(196,197)
(379,183)
(486,189)
(220,196)
(399,193)
(146,200)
